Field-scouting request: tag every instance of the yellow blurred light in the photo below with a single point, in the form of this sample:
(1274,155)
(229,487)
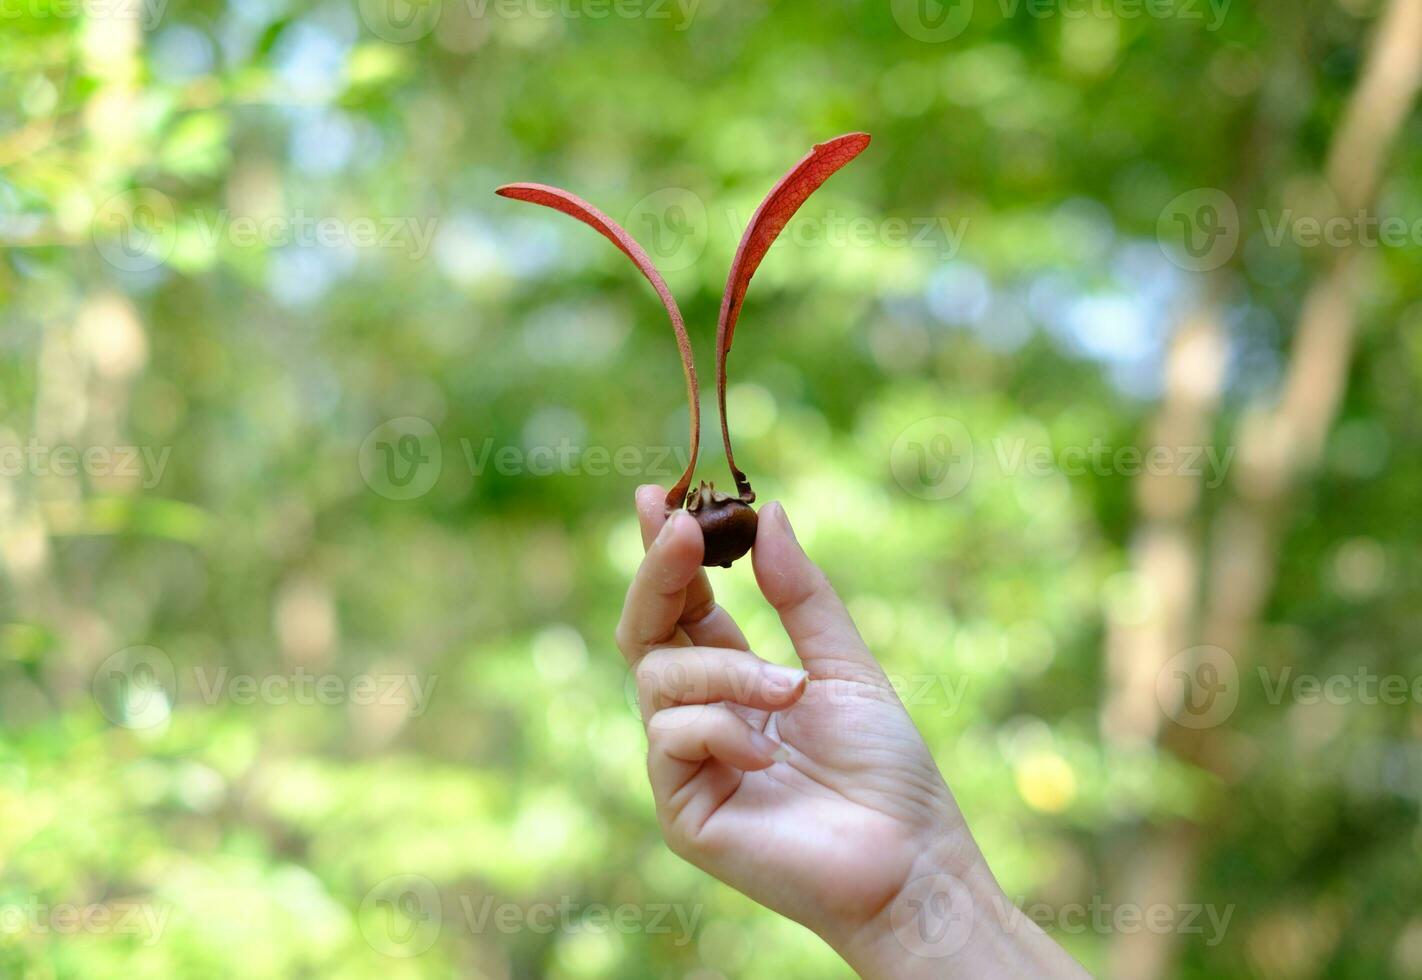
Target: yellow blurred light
(1046,781)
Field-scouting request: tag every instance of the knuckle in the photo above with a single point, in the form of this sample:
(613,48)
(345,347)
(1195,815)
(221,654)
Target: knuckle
(677,842)
(797,594)
(682,678)
(700,610)
(648,677)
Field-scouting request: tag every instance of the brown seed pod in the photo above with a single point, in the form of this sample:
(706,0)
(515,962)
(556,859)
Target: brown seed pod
(728,523)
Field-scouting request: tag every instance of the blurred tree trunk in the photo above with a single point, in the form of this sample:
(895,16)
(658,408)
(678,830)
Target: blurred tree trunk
(1276,445)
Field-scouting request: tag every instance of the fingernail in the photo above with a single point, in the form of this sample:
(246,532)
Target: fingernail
(783,683)
(766,746)
(785,521)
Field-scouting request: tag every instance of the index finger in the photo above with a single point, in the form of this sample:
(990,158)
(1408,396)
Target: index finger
(657,596)
(705,622)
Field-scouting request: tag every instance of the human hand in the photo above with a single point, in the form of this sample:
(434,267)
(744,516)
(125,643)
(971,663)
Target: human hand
(810,791)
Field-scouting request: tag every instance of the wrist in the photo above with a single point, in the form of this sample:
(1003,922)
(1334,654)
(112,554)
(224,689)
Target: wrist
(950,919)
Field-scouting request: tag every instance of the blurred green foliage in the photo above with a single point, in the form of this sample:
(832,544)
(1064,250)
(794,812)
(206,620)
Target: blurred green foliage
(165,173)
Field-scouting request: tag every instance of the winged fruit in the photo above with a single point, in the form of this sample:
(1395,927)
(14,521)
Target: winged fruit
(728,523)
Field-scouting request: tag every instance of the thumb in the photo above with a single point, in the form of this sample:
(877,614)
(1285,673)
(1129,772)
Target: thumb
(815,619)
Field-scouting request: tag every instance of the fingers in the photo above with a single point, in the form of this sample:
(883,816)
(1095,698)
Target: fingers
(683,738)
(700,737)
(819,626)
(657,596)
(699,676)
(704,621)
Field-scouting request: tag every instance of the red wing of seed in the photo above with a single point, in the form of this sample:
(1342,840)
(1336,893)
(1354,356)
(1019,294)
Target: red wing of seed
(765,225)
(574,206)
(774,213)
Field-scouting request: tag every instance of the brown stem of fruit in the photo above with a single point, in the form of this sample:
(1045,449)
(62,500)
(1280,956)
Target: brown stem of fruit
(765,226)
(574,206)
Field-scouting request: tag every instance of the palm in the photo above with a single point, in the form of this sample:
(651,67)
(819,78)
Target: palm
(833,832)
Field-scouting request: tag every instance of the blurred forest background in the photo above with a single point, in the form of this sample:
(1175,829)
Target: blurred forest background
(317,461)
